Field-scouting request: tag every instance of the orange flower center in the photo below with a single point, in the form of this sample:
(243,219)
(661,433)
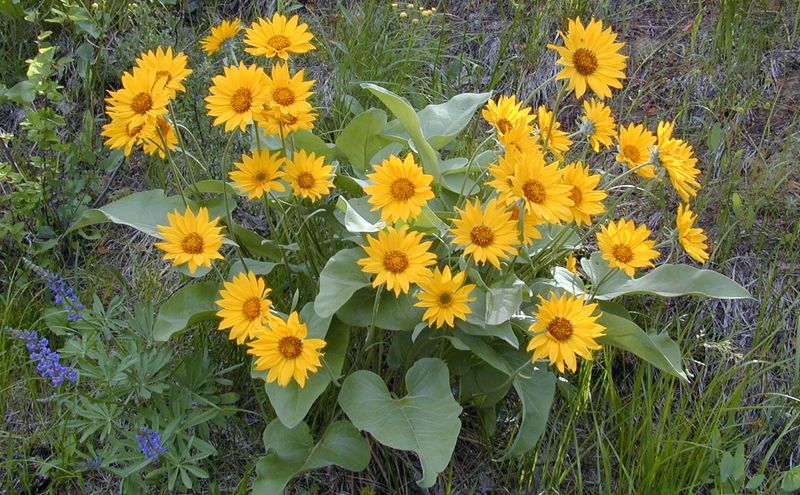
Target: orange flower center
(192,243)
(632,153)
(289,120)
(576,195)
(395,261)
(142,103)
(283,96)
(482,235)
(260,177)
(279,42)
(622,253)
(164,73)
(290,347)
(242,100)
(445,299)
(504,125)
(534,191)
(560,328)
(402,189)
(585,61)
(305,180)
(252,308)
(134,131)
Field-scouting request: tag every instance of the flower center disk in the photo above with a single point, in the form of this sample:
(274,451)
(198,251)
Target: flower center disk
(142,103)
(576,195)
(560,328)
(278,42)
(632,152)
(192,243)
(482,235)
(395,261)
(290,347)
(534,191)
(622,253)
(260,177)
(242,100)
(305,180)
(283,96)
(585,61)
(445,299)
(402,189)
(252,308)
(503,125)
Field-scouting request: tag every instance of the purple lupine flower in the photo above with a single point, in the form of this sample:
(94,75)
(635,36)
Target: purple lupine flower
(63,294)
(48,362)
(150,443)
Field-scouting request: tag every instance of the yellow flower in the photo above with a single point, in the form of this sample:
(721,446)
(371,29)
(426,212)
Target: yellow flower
(633,149)
(219,35)
(445,296)
(506,113)
(300,118)
(677,157)
(598,124)
(590,57)
(287,94)
(398,258)
(122,134)
(164,64)
(520,139)
(191,239)
(626,246)
(530,224)
(554,139)
(285,352)
(258,174)
(143,97)
(162,134)
(488,235)
(278,37)
(564,327)
(308,175)
(587,198)
(571,264)
(237,95)
(245,306)
(400,189)
(540,186)
(691,238)
(502,174)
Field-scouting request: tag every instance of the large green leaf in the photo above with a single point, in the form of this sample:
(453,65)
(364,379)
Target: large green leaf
(293,451)
(483,385)
(311,143)
(659,350)
(424,421)
(189,305)
(357,217)
(361,139)
(256,266)
(339,280)
(408,118)
(292,403)
(536,389)
(394,313)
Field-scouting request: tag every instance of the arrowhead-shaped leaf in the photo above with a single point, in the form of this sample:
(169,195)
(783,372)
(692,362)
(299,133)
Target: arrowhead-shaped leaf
(339,280)
(536,390)
(191,304)
(361,139)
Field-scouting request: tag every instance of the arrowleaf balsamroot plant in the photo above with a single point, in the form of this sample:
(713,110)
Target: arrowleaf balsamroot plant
(481,259)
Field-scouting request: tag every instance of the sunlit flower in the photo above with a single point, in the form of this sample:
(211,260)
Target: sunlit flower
(287,94)
(278,37)
(590,57)
(502,174)
(445,296)
(598,124)
(530,224)
(398,258)
(571,264)
(301,117)
(245,306)
(520,139)
(553,138)
(237,95)
(692,238)
(165,64)
(506,113)
(633,149)
(191,239)
(587,197)
(677,157)
(565,327)
(625,246)
(161,138)
(121,134)
(308,175)
(487,234)
(143,97)
(284,350)
(219,35)
(258,174)
(399,189)
(542,189)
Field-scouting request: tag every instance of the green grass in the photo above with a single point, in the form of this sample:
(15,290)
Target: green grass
(726,73)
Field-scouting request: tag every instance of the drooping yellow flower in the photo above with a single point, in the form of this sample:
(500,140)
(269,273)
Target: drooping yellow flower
(237,95)
(219,35)
(520,139)
(300,118)
(308,175)
(626,246)
(400,189)
(571,264)
(633,149)
(398,258)
(191,239)
(245,306)
(590,57)
(258,174)
(506,113)
(287,94)
(445,296)
(542,189)
(554,139)
(161,138)
(530,225)
(565,327)
(598,124)
(278,37)
(143,96)
(122,134)
(165,64)
(284,350)
(692,238)
(487,234)
(587,197)
(677,157)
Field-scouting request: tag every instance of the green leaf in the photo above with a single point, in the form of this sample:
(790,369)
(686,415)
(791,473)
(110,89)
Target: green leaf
(483,385)
(190,305)
(503,302)
(339,280)
(424,421)
(408,118)
(361,139)
(311,143)
(292,403)
(791,480)
(256,266)
(536,390)
(357,217)
(659,350)
(394,313)
(292,451)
